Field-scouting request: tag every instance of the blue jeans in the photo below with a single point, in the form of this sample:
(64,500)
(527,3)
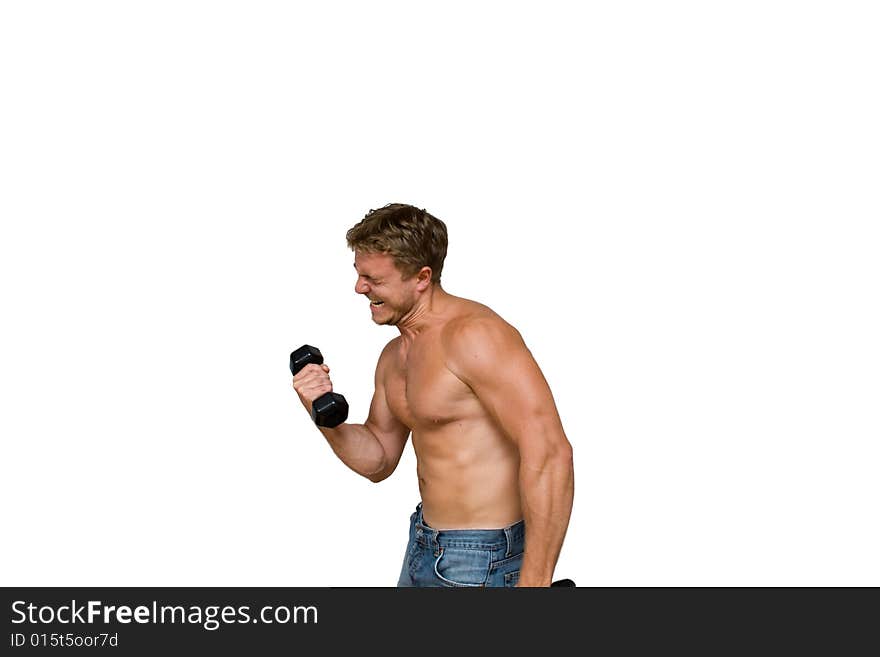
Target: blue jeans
(461,557)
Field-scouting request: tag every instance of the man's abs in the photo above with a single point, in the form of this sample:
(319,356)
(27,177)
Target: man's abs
(468,476)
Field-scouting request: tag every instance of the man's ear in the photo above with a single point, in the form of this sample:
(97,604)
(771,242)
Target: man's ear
(424,279)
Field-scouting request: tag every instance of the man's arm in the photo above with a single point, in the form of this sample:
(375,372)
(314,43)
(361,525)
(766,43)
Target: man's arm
(491,357)
(391,433)
(372,449)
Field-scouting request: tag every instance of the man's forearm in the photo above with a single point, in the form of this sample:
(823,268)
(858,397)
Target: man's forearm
(547,493)
(357,447)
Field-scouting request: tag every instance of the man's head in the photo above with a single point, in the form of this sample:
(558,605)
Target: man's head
(399,253)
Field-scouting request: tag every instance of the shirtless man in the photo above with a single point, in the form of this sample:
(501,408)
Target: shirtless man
(494,465)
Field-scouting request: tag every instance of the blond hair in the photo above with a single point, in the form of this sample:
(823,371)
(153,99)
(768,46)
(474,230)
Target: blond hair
(413,237)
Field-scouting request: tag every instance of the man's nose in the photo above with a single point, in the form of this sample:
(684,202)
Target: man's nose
(361,287)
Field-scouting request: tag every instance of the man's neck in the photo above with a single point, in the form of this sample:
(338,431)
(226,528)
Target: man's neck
(427,312)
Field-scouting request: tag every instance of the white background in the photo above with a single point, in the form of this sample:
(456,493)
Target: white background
(675,203)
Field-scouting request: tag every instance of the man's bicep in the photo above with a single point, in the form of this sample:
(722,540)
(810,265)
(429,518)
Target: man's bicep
(495,362)
(381,421)
(519,396)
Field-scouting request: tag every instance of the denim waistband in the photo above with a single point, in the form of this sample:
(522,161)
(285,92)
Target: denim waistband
(510,539)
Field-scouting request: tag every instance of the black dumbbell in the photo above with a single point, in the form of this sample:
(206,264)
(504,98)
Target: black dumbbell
(563,583)
(330,409)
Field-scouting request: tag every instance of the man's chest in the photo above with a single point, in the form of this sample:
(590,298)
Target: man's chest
(423,393)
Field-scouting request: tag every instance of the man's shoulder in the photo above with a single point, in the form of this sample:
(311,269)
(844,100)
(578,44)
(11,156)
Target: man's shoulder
(391,345)
(477,329)
(389,353)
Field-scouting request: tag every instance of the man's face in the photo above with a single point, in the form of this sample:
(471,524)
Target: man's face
(391,298)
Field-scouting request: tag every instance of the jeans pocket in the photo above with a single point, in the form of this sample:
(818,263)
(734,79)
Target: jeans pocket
(463,567)
(511,579)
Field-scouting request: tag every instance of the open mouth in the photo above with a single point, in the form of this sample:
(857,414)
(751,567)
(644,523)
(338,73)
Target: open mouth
(376,304)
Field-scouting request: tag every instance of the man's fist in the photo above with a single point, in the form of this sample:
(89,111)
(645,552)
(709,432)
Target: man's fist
(311,382)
